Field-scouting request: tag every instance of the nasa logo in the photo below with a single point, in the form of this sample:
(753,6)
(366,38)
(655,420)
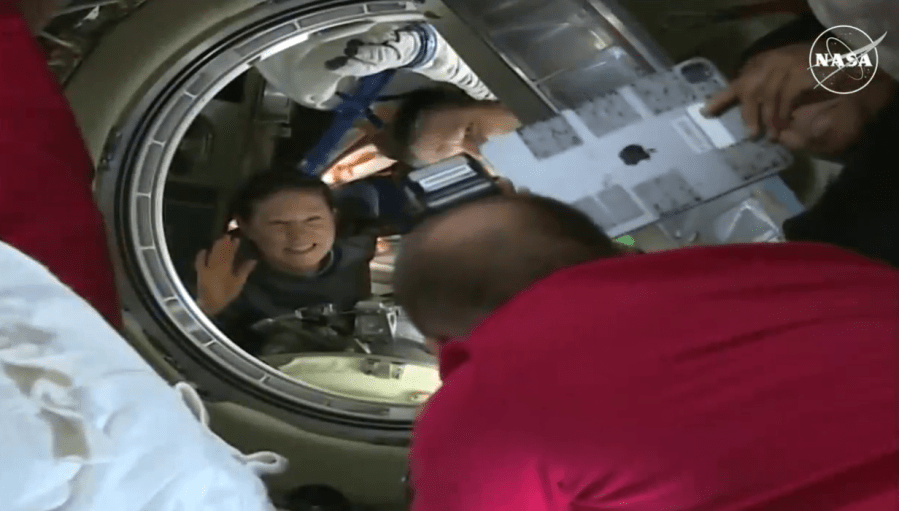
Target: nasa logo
(837,60)
(843,59)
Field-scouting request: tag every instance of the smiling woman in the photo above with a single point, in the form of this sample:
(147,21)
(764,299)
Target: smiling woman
(289,218)
(287,255)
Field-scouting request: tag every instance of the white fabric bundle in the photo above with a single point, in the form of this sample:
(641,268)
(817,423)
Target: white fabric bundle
(87,425)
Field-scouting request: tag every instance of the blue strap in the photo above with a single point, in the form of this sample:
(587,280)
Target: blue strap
(352,108)
(358,104)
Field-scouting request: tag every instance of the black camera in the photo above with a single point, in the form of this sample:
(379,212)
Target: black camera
(447,184)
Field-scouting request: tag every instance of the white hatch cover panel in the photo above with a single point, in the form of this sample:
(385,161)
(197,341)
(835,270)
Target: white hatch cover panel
(641,153)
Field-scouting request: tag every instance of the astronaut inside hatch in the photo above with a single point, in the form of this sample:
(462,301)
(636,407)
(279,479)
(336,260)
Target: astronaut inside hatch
(452,111)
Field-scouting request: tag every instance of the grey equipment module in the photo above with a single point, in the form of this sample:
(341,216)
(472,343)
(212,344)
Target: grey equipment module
(641,153)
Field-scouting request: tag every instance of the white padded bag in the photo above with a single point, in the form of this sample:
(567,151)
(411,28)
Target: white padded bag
(87,425)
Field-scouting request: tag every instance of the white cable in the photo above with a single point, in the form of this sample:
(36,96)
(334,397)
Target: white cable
(261,463)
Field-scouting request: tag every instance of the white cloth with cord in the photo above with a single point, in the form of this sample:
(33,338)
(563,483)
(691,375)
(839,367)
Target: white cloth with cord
(87,425)
(874,17)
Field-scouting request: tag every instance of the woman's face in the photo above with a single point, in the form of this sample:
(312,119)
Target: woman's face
(294,230)
(447,132)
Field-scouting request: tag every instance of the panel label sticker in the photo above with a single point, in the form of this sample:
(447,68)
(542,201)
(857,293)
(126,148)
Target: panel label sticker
(714,128)
(695,139)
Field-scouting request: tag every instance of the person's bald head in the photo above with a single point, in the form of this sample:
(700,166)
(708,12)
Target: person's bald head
(456,268)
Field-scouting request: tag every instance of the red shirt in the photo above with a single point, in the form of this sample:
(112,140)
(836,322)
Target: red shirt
(47,208)
(740,378)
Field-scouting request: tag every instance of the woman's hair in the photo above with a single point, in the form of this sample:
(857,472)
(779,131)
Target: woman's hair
(401,131)
(265,184)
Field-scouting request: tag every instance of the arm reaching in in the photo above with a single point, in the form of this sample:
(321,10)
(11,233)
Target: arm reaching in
(418,47)
(47,207)
(769,88)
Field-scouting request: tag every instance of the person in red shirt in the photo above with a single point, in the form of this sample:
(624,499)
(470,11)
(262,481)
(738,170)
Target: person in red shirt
(47,208)
(576,377)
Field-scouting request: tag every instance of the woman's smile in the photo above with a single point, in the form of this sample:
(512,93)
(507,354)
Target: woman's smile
(301,250)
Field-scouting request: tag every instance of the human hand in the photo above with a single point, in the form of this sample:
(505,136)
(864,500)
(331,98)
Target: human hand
(831,127)
(825,128)
(37,13)
(505,186)
(375,53)
(769,88)
(218,282)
